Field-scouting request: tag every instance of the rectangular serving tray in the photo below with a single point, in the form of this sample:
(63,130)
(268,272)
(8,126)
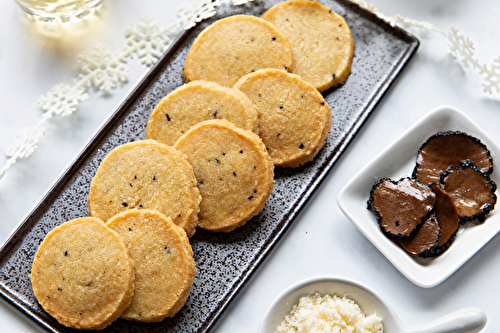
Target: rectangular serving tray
(224,261)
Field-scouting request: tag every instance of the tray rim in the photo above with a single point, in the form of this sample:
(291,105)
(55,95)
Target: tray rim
(29,219)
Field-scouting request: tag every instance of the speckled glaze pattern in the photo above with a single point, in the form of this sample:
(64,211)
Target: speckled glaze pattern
(224,261)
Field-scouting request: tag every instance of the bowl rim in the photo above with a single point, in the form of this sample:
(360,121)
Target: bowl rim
(266,319)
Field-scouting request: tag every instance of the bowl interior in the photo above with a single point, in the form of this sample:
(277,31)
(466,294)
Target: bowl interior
(368,301)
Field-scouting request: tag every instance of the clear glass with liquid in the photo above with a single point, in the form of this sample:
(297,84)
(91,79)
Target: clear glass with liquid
(59,10)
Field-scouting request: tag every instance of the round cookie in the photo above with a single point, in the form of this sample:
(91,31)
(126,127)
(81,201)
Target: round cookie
(234,46)
(164,264)
(82,274)
(195,102)
(322,43)
(234,173)
(294,117)
(146,174)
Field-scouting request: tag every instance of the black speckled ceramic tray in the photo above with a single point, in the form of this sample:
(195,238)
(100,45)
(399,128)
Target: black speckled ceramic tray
(225,261)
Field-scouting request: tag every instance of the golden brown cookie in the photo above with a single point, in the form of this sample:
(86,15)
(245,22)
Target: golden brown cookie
(164,264)
(82,274)
(234,173)
(322,43)
(234,46)
(195,102)
(295,119)
(146,174)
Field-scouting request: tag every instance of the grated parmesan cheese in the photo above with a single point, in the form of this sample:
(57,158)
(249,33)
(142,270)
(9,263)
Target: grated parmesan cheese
(325,314)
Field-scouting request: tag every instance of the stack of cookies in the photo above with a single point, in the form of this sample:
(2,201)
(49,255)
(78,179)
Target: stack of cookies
(251,101)
(138,266)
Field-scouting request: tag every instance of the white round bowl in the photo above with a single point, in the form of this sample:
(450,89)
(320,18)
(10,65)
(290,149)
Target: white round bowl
(468,320)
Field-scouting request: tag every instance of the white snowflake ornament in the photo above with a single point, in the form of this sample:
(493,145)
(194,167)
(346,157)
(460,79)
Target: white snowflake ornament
(62,99)
(419,24)
(195,12)
(103,69)
(24,145)
(492,76)
(147,40)
(26,142)
(462,46)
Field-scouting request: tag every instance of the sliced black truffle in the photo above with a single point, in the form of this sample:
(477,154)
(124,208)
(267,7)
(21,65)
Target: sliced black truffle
(424,242)
(447,217)
(472,191)
(445,149)
(400,206)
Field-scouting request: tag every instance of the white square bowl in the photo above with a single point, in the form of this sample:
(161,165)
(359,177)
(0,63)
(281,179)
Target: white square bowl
(397,161)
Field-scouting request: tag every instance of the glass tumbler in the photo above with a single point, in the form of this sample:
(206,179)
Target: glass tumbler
(59,10)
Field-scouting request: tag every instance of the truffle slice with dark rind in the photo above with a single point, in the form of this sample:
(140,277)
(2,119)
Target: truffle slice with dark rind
(445,149)
(424,241)
(447,217)
(400,206)
(472,190)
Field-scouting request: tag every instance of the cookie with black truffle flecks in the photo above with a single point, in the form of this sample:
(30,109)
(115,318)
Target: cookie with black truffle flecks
(294,117)
(198,101)
(146,174)
(234,173)
(164,266)
(235,46)
(322,42)
(82,274)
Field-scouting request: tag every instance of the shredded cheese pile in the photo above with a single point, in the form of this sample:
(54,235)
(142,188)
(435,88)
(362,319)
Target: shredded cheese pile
(325,314)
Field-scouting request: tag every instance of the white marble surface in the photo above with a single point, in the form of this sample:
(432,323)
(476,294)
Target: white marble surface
(321,241)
